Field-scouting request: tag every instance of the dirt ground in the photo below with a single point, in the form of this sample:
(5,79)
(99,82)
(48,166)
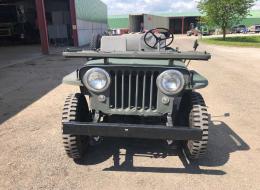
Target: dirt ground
(32,155)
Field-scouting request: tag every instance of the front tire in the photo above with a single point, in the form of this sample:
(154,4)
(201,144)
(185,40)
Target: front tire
(75,109)
(198,118)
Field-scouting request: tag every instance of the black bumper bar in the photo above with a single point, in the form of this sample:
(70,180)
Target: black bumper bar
(132,131)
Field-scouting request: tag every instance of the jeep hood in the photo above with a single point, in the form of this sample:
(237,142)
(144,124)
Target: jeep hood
(131,62)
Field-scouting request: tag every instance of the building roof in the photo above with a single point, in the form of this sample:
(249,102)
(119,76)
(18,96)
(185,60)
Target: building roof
(121,21)
(118,16)
(118,22)
(184,14)
(253,14)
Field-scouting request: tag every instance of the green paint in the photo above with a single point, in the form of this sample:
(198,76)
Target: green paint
(114,23)
(91,10)
(250,21)
(136,62)
(121,21)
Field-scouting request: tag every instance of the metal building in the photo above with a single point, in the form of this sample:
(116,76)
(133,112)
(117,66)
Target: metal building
(253,18)
(147,21)
(91,18)
(178,23)
(55,22)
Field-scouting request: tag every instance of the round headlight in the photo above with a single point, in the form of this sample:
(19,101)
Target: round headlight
(170,82)
(96,80)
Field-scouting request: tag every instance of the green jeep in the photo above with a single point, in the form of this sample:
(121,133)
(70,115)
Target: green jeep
(136,86)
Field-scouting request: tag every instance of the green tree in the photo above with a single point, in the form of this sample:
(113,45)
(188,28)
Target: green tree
(225,13)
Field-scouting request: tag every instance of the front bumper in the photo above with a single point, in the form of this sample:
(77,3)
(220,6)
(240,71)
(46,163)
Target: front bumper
(132,131)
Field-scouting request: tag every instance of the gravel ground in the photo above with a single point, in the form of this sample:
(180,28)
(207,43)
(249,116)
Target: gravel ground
(32,155)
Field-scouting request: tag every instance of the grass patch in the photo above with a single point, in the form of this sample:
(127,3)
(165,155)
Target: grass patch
(240,41)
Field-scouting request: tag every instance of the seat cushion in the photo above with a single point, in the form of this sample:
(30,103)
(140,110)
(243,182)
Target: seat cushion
(113,44)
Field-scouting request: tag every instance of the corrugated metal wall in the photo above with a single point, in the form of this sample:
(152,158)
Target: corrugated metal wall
(91,10)
(91,19)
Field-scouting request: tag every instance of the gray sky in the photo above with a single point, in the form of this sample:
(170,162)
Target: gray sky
(147,6)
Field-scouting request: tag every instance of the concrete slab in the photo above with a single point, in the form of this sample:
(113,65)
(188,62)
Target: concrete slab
(12,55)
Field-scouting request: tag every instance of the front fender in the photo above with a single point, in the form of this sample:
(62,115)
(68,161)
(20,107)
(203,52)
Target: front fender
(72,79)
(198,81)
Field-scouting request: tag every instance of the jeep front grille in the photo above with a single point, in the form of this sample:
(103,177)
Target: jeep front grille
(133,90)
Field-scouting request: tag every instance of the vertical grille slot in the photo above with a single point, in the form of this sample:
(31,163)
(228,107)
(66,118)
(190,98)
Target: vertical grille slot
(151,90)
(144,90)
(123,90)
(135,90)
(112,99)
(119,82)
(116,86)
(130,90)
(154,91)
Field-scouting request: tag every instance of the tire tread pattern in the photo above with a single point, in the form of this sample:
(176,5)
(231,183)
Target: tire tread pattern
(71,112)
(198,119)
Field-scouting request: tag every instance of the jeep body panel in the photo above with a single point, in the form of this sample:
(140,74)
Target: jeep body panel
(154,55)
(72,79)
(118,97)
(198,81)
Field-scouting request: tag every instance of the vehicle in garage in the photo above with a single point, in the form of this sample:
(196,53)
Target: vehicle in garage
(17,24)
(12,20)
(137,87)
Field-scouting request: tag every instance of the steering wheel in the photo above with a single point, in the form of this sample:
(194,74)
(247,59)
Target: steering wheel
(152,33)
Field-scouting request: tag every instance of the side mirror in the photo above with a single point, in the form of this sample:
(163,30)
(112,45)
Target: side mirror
(196,45)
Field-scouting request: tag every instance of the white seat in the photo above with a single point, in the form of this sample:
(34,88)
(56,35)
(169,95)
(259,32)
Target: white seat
(126,42)
(113,44)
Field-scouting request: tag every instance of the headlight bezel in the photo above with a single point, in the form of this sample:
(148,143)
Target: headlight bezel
(99,70)
(165,91)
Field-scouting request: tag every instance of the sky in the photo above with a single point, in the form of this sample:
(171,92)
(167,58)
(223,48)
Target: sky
(116,7)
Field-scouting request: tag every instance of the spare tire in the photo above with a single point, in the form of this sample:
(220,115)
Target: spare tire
(95,42)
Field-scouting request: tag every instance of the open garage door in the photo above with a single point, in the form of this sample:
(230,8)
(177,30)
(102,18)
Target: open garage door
(19,32)
(176,25)
(190,22)
(19,24)
(136,23)
(180,25)
(58,22)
